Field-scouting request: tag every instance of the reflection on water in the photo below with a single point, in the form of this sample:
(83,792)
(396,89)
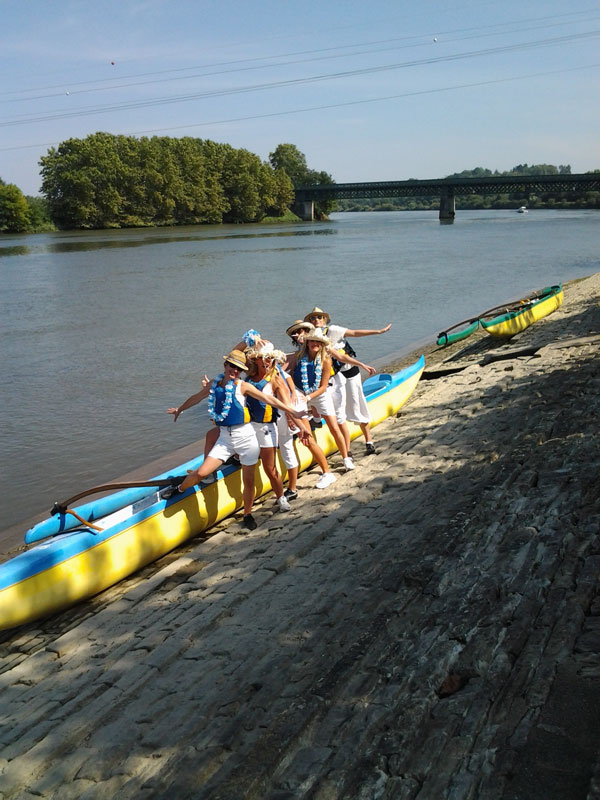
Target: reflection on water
(80,241)
(15,250)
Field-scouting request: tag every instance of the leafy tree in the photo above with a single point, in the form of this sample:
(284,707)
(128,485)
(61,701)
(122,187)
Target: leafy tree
(14,211)
(39,214)
(288,158)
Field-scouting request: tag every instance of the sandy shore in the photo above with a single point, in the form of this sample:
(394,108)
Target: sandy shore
(428,627)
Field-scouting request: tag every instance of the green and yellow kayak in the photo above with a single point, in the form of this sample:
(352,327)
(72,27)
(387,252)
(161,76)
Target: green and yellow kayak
(525,313)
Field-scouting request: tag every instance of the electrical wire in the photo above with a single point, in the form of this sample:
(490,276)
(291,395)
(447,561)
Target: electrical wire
(129,105)
(331,105)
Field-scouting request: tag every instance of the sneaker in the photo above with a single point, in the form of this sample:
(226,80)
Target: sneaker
(348,463)
(290,494)
(371,451)
(326,479)
(283,504)
(249,522)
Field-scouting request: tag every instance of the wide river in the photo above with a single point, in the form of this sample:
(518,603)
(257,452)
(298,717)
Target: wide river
(102,331)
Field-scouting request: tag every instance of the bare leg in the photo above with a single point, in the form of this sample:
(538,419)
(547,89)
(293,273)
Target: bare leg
(267,456)
(315,450)
(343,426)
(209,465)
(366,429)
(210,440)
(335,431)
(248,488)
(292,478)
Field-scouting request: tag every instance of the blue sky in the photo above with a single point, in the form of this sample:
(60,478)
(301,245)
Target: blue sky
(379,90)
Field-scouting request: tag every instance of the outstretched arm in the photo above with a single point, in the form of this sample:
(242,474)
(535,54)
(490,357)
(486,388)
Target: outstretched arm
(339,355)
(191,401)
(373,332)
(271,400)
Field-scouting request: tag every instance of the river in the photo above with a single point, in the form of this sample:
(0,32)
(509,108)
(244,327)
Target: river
(101,331)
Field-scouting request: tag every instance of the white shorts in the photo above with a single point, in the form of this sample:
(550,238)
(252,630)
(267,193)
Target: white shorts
(266,433)
(285,438)
(349,399)
(237,440)
(323,404)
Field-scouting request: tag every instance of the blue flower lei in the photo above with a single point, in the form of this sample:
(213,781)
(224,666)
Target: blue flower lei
(250,337)
(304,375)
(229,391)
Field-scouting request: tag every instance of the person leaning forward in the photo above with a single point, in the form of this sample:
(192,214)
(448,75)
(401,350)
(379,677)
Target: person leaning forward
(348,395)
(227,406)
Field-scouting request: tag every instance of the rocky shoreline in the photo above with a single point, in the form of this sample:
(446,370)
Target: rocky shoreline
(428,627)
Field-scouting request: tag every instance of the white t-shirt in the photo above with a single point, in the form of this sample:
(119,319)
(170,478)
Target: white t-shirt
(336,334)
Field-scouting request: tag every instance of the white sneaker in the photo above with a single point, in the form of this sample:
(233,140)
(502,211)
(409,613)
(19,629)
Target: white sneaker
(283,504)
(326,479)
(348,463)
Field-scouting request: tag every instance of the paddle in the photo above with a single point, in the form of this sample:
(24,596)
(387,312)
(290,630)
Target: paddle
(63,508)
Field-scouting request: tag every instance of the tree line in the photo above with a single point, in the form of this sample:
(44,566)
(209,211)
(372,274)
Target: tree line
(549,199)
(113,181)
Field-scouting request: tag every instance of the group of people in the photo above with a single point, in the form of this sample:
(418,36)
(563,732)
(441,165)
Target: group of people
(284,396)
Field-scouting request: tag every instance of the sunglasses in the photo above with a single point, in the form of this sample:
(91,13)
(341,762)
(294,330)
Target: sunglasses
(233,366)
(317,316)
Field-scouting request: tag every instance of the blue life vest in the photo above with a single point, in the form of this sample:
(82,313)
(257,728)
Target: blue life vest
(238,413)
(311,374)
(259,411)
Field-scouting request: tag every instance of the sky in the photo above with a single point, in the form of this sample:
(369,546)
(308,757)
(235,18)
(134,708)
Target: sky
(368,91)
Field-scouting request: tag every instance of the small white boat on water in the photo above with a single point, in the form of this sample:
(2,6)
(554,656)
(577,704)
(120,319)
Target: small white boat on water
(522,210)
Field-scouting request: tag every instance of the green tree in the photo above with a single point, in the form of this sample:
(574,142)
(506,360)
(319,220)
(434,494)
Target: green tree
(14,211)
(39,214)
(288,158)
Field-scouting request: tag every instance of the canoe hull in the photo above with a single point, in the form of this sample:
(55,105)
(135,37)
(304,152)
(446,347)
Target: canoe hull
(65,569)
(513,322)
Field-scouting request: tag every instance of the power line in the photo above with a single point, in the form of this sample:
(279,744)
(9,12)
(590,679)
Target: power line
(126,106)
(332,105)
(417,40)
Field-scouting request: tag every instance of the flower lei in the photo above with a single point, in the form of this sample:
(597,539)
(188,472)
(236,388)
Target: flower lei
(229,391)
(304,375)
(250,337)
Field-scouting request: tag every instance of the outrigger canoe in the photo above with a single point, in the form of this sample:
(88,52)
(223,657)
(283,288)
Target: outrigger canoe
(75,561)
(453,335)
(524,314)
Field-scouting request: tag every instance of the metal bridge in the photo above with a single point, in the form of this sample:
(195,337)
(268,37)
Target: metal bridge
(446,188)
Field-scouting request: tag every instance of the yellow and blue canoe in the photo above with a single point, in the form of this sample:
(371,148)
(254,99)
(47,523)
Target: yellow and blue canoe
(71,563)
(525,313)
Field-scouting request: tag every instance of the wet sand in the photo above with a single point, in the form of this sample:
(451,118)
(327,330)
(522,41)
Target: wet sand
(427,627)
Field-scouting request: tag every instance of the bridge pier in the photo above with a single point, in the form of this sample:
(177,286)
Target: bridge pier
(447,208)
(305,209)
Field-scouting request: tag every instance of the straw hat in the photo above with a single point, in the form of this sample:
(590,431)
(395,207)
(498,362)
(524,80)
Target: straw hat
(317,336)
(265,349)
(317,310)
(237,358)
(299,325)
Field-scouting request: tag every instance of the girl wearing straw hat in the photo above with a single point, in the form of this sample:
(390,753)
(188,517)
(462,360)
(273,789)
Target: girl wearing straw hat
(264,375)
(347,392)
(288,428)
(311,370)
(227,406)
